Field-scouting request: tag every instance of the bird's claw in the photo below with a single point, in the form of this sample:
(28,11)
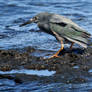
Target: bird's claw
(54,56)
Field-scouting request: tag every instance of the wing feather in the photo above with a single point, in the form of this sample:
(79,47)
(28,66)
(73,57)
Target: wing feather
(61,19)
(70,33)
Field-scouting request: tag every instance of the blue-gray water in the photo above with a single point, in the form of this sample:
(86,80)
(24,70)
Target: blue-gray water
(14,12)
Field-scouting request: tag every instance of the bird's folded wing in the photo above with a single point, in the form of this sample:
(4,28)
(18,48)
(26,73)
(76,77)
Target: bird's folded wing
(68,32)
(61,19)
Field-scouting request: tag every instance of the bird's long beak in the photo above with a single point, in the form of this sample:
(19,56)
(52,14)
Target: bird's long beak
(28,22)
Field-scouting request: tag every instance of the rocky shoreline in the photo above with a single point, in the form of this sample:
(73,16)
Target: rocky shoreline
(15,59)
(72,67)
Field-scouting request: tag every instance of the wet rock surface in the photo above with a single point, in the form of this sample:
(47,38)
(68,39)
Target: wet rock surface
(15,59)
(71,67)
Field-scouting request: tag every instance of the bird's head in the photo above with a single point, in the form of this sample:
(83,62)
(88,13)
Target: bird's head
(32,20)
(41,17)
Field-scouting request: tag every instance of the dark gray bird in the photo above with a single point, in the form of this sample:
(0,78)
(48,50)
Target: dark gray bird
(64,29)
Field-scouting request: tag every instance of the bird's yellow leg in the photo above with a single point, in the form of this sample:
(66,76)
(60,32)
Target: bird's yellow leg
(71,45)
(56,54)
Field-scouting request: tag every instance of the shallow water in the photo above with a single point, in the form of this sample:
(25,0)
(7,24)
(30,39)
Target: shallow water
(30,72)
(15,12)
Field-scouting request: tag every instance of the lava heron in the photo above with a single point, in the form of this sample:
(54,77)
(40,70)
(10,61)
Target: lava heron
(64,29)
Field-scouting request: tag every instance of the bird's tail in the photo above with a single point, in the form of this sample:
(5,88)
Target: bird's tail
(90,42)
(84,38)
(84,33)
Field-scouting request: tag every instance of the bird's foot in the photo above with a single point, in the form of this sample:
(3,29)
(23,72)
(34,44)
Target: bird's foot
(54,56)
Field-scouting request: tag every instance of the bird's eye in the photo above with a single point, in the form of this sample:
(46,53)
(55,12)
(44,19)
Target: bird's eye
(36,18)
